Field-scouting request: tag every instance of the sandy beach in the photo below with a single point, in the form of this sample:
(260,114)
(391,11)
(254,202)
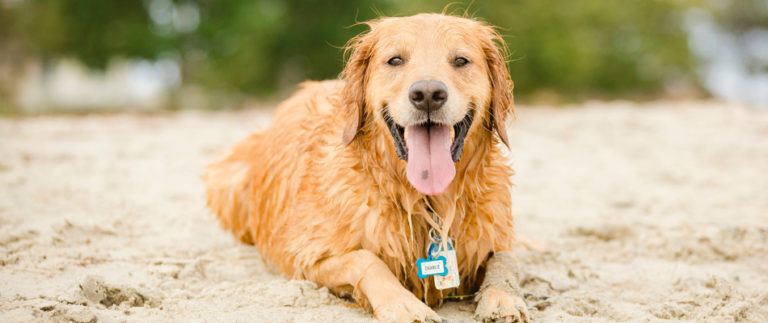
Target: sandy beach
(626,212)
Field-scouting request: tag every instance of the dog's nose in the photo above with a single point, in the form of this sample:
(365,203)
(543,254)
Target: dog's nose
(428,95)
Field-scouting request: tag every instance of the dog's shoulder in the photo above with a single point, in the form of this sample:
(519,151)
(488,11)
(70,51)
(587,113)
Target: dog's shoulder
(313,97)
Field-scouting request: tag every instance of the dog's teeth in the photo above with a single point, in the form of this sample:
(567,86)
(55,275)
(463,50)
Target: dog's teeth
(405,136)
(453,133)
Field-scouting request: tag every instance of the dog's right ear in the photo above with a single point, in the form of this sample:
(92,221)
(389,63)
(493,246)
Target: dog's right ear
(502,102)
(355,77)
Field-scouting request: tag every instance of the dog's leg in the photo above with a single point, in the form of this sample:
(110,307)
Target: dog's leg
(500,298)
(361,269)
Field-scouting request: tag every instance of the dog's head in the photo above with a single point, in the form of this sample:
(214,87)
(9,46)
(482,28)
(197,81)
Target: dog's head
(428,78)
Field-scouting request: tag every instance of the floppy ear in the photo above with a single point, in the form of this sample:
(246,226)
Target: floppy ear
(355,76)
(502,103)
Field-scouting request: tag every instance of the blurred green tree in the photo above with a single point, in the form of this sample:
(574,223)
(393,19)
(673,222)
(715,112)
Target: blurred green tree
(260,46)
(589,47)
(92,31)
(574,48)
(226,45)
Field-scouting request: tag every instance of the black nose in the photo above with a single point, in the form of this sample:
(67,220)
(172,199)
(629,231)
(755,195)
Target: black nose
(428,95)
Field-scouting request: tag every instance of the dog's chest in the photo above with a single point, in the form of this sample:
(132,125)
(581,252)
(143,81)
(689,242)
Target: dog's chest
(401,241)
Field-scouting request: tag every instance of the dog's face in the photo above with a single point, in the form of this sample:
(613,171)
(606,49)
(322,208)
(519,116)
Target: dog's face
(427,79)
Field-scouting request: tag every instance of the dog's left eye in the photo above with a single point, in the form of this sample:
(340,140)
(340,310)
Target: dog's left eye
(395,61)
(459,62)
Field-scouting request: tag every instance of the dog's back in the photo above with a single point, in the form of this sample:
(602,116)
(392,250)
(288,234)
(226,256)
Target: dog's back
(257,178)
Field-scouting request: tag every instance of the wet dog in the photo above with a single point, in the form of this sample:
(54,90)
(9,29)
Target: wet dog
(346,184)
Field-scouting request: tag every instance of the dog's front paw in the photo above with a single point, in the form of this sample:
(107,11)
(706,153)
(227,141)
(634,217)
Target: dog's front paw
(499,306)
(405,309)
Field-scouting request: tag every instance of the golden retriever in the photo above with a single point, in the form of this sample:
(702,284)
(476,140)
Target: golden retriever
(345,185)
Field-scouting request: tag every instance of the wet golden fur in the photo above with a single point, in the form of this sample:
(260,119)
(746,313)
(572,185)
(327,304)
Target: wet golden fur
(325,181)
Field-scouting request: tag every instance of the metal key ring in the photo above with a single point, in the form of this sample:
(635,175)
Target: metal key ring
(435,236)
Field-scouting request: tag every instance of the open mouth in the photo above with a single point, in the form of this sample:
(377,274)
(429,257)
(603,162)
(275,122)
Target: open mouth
(457,134)
(430,150)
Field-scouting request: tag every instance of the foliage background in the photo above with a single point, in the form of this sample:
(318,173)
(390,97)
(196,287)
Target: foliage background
(577,49)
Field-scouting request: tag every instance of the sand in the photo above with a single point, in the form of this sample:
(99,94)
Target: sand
(626,212)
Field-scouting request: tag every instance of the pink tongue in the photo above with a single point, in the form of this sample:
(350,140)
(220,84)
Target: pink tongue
(430,165)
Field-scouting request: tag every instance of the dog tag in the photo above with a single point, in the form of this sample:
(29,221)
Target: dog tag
(431,267)
(451,278)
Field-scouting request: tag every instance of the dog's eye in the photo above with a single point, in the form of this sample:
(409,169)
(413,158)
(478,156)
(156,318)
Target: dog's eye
(395,61)
(459,62)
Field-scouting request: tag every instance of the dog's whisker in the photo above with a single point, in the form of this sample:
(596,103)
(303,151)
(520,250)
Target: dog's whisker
(385,113)
(473,107)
